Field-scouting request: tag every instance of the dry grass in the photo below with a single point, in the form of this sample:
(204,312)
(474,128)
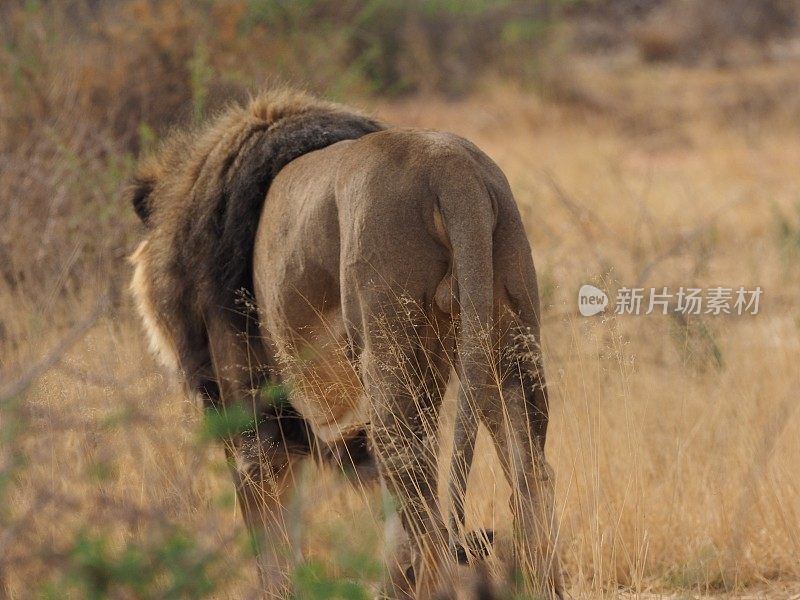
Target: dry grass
(672,473)
(675,446)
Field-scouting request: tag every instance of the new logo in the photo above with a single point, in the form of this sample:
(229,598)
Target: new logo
(591,300)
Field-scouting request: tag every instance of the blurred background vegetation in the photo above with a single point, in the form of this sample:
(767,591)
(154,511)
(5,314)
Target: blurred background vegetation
(85,85)
(119,505)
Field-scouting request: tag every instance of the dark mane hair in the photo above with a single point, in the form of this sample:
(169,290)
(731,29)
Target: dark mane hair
(201,197)
(259,160)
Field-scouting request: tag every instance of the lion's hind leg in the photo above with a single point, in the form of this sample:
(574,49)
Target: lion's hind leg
(405,374)
(518,426)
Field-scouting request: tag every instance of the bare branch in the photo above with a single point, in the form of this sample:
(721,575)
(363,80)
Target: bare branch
(54,356)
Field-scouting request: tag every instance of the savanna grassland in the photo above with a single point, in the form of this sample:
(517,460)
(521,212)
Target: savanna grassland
(675,441)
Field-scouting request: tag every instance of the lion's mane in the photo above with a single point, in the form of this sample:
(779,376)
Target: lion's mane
(201,196)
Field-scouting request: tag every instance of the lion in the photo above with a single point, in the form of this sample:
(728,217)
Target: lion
(325,272)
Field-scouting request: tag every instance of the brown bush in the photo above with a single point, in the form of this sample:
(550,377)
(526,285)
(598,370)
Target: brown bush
(86,85)
(689,30)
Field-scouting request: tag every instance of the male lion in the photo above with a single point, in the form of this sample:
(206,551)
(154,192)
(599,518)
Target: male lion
(295,244)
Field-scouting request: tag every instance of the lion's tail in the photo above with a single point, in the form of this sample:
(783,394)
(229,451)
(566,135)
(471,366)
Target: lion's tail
(468,216)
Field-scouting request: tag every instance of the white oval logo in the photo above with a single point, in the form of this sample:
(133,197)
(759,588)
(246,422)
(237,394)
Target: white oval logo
(591,300)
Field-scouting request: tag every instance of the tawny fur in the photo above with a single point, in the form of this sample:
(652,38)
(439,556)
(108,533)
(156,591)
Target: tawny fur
(294,242)
(187,194)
